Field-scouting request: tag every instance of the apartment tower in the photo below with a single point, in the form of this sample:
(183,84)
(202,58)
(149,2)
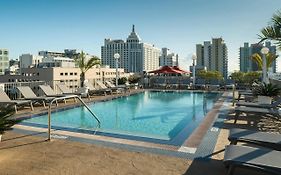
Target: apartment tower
(213,56)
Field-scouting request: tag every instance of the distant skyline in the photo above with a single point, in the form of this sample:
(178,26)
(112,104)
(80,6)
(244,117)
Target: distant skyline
(30,26)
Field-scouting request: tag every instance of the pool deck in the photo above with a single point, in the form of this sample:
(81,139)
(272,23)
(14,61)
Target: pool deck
(27,148)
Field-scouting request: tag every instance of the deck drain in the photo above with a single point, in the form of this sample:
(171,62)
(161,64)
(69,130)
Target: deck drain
(214,129)
(54,136)
(187,149)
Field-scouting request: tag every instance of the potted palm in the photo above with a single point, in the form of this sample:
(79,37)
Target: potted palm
(6,120)
(85,64)
(266,92)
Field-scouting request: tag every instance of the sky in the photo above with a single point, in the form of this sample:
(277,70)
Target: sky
(28,26)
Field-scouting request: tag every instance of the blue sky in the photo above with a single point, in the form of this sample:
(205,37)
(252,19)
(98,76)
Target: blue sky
(28,26)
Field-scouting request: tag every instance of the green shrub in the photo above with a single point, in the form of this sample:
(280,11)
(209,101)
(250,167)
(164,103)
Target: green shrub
(122,80)
(134,79)
(267,90)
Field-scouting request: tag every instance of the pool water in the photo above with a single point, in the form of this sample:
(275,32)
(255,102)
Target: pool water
(157,115)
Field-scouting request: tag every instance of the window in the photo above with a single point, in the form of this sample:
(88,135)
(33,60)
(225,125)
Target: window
(75,73)
(5,52)
(71,73)
(38,74)
(65,73)
(61,74)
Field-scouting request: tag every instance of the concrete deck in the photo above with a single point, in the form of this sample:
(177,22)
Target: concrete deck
(31,154)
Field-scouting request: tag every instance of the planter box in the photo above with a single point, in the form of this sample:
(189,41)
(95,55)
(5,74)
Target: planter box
(264,100)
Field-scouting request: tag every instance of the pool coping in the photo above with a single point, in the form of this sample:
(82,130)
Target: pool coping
(188,149)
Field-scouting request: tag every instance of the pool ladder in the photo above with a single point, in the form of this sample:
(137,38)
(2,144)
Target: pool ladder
(67,97)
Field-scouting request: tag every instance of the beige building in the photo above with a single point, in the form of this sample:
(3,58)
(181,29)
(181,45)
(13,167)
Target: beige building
(4,60)
(67,75)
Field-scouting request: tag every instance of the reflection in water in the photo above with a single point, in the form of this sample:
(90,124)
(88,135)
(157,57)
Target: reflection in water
(205,108)
(83,121)
(193,108)
(117,123)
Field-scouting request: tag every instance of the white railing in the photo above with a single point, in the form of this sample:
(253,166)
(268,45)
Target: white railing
(67,97)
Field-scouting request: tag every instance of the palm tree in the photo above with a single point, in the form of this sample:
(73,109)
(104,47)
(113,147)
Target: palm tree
(273,30)
(270,58)
(85,64)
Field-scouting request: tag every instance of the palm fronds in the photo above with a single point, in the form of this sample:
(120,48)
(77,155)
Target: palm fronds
(6,120)
(270,58)
(273,31)
(85,64)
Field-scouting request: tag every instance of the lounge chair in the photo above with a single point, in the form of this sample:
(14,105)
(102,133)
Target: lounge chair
(4,99)
(28,94)
(266,160)
(65,90)
(252,104)
(93,90)
(103,87)
(115,88)
(269,140)
(245,93)
(49,92)
(253,110)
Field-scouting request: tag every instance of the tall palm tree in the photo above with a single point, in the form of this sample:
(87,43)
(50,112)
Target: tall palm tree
(273,31)
(85,64)
(270,58)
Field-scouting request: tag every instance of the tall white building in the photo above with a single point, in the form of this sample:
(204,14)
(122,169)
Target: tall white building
(168,58)
(135,56)
(29,60)
(213,56)
(4,60)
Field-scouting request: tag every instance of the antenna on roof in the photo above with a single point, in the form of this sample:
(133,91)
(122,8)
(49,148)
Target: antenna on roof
(133,30)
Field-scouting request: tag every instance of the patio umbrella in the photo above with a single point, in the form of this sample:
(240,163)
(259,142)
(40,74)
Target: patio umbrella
(166,70)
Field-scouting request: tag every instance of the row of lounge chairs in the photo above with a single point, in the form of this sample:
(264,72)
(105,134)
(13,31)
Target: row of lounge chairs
(30,98)
(266,155)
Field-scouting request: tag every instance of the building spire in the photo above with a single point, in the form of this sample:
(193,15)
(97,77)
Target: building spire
(133,30)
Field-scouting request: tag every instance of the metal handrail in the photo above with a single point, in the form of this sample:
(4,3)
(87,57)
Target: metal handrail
(67,97)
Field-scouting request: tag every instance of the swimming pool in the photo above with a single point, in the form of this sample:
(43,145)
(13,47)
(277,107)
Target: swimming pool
(155,116)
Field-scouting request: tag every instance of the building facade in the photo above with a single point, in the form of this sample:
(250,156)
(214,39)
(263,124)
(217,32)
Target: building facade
(168,58)
(213,56)
(245,61)
(29,60)
(4,60)
(135,56)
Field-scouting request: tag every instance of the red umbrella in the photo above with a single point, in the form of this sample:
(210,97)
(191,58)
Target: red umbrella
(183,71)
(166,70)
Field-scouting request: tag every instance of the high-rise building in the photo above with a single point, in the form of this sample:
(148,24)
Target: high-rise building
(4,60)
(135,56)
(213,56)
(246,63)
(168,58)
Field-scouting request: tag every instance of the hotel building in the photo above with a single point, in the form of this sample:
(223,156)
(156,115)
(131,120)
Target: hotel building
(135,56)
(213,56)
